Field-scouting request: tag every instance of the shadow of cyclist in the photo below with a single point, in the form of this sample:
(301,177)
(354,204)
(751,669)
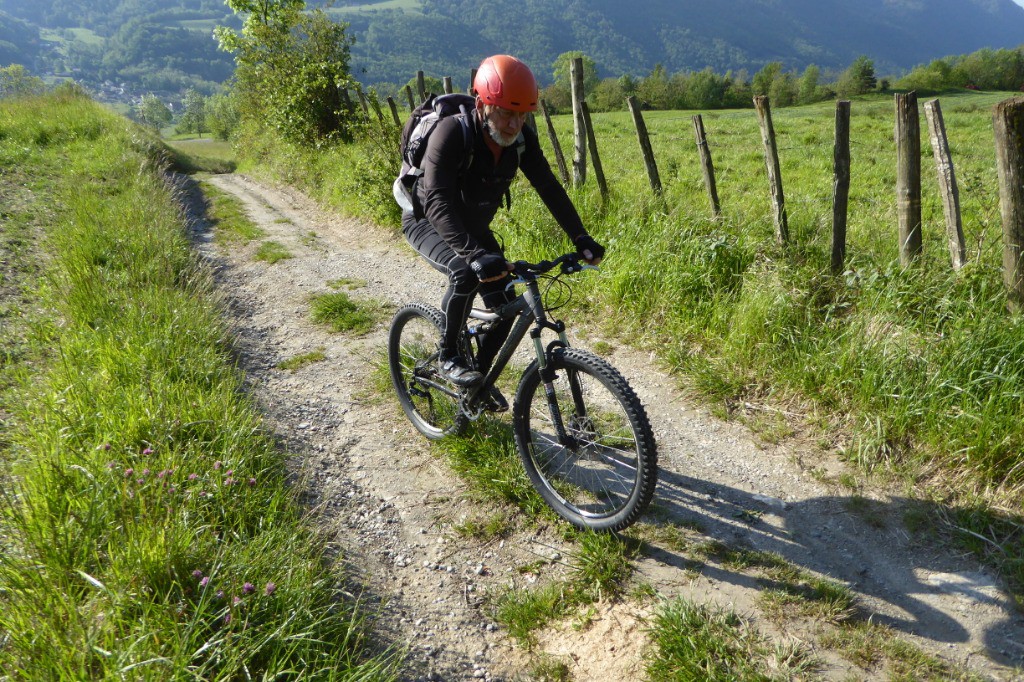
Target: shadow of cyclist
(901,581)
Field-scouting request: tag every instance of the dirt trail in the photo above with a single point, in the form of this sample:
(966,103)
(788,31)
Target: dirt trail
(391,504)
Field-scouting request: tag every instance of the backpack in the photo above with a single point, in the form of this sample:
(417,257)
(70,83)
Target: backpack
(412,144)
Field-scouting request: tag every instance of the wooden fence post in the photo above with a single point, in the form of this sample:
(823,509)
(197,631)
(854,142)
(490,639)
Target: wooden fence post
(421,86)
(1008,120)
(579,158)
(706,165)
(563,172)
(362,102)
(375,105)
(394,111)
(594,157)
(771,159)
(408,94)
(840,185)
(645,144)
(908,176)
(448,85)
(947,184)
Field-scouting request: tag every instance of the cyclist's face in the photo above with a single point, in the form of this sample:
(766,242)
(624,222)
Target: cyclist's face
(504,124)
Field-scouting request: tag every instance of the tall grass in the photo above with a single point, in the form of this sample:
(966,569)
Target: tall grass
(147,529)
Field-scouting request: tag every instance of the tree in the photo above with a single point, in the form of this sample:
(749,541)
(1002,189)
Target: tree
(808,87)
(193,118)
(706,90)
(151,111)
(763,79)
(858,78)
(291,67)
(15,81)
(221,115)
(653,90)
(609,95)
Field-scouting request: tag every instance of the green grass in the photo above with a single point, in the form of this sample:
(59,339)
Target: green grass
(872,646)
(228,218)
(695,643)
(338,311)
(297,362)
(148,530)
(273,252)
(341,13)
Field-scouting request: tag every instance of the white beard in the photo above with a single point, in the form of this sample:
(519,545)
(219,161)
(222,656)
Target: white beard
(500,139)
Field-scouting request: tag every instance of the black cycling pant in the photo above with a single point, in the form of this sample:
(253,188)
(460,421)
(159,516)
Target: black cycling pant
(463,286)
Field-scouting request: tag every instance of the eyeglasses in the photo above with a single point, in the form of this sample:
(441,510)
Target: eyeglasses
(508,115)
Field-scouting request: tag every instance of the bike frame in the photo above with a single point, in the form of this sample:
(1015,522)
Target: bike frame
(528,309)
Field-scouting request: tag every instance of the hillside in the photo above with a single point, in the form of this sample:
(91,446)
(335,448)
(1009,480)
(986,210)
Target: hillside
(153,45)
(680,34)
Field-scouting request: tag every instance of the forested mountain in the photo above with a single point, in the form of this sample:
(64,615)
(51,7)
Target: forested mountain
(632,36)
(165,44)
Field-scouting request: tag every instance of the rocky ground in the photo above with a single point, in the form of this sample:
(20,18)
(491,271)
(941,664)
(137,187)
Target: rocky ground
(391,504)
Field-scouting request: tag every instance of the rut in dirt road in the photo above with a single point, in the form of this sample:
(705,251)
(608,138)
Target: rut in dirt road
(392,504)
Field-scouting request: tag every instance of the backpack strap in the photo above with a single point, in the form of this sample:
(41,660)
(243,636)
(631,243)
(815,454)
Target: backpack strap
(467,137)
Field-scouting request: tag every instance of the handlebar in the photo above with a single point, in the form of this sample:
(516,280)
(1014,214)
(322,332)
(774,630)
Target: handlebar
(569,262)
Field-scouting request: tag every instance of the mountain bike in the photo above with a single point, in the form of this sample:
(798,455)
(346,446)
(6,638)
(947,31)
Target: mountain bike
(581,431)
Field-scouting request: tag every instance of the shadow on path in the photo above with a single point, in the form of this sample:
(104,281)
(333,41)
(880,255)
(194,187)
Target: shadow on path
(909,585)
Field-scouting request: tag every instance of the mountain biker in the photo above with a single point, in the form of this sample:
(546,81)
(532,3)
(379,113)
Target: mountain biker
(459,205)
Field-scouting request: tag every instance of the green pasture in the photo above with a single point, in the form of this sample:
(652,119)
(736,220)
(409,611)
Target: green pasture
(402,5)
(82,35)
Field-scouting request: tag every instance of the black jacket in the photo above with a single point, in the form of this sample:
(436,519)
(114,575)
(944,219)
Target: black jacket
(460,204)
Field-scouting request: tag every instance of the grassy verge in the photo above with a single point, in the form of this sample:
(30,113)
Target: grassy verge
(146,527)
(904,372)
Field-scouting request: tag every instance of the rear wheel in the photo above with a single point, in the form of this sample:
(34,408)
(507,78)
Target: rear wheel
(430,403)
(587,445)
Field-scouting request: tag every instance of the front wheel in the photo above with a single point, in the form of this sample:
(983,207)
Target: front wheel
(586,443)
(430,403)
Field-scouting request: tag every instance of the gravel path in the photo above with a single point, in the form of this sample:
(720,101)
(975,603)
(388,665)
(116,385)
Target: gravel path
(391,504)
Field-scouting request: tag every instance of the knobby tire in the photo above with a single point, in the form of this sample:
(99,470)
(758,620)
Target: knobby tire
(425,397)
(603,475)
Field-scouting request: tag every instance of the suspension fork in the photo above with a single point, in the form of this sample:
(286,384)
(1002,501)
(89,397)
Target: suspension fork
(546,369)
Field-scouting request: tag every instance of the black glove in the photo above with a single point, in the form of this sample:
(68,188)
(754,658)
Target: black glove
(489,266)
(586,243)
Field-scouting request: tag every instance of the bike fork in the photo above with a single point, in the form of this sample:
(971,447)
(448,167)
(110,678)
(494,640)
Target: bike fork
(547,375)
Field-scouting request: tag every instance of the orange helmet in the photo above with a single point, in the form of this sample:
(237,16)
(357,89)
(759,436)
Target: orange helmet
(506,82)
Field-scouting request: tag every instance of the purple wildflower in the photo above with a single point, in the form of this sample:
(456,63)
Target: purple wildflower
(111,465)
(269,589)
(193,477)
(236,600)
(227,618)
(252,482)
(248,588)
(105,446)
(128,472)
(197,574)
(217,465)
(148,451)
